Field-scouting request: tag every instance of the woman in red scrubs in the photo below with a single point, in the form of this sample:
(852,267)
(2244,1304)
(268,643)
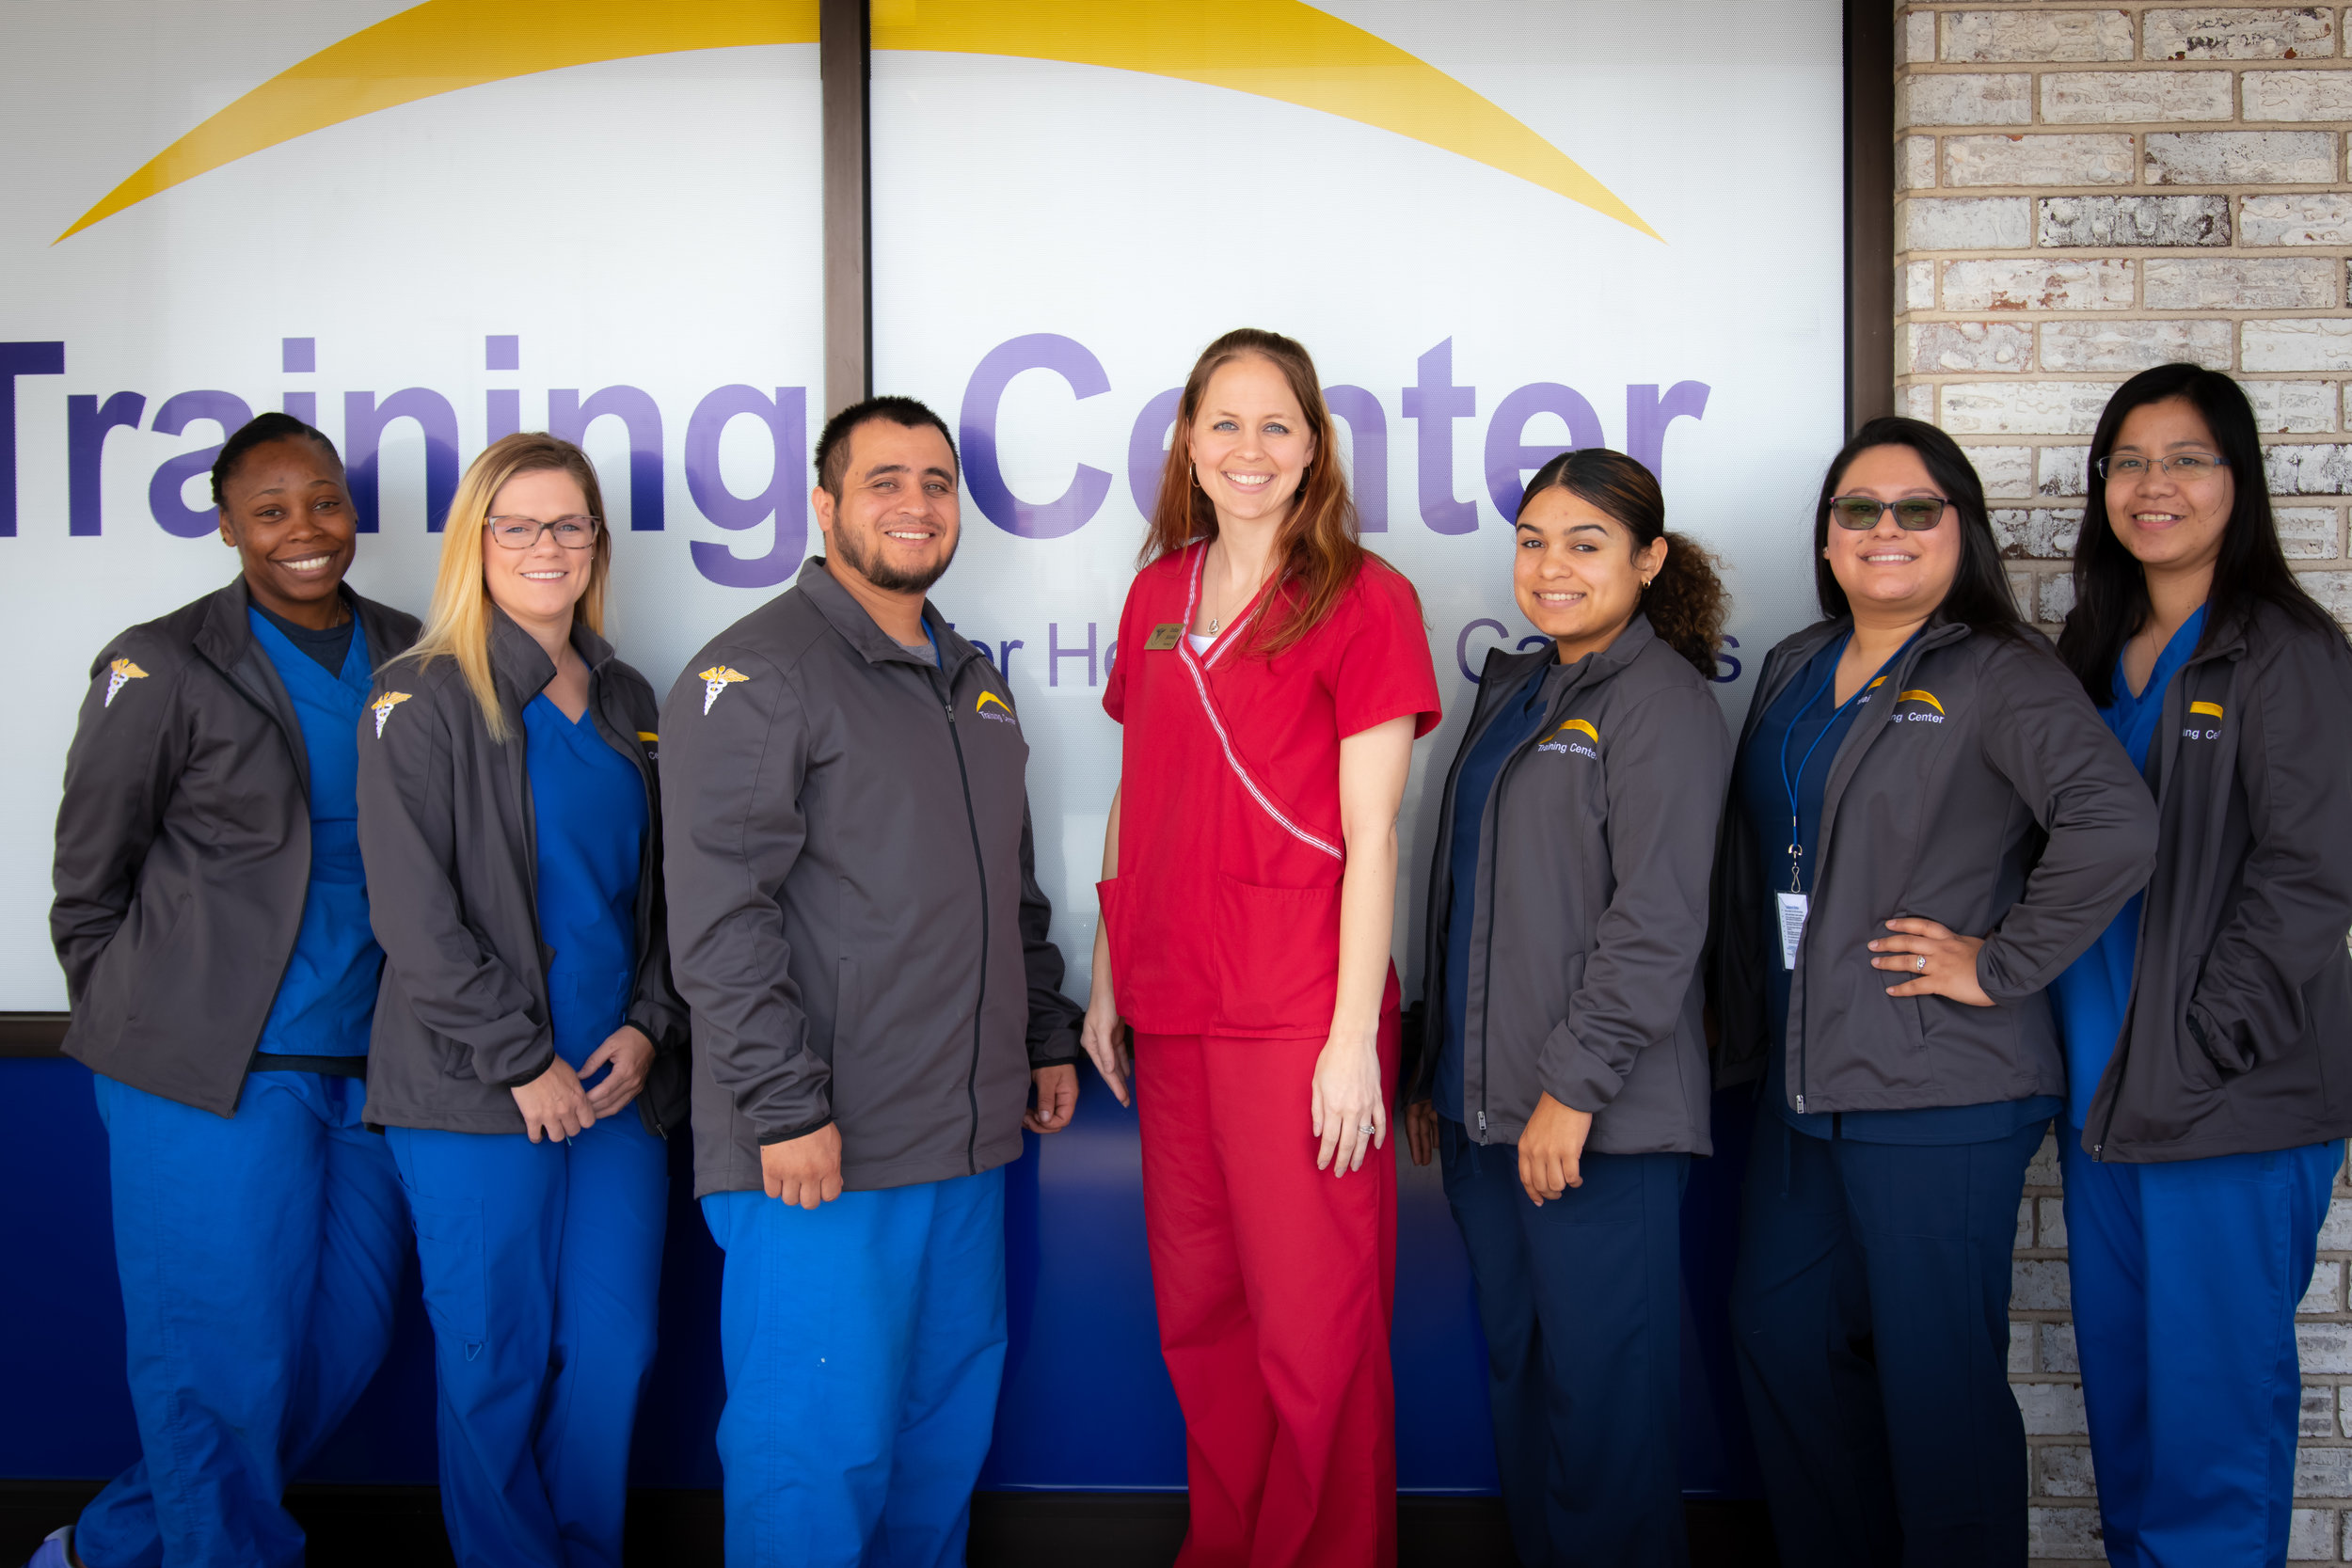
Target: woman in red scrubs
(1272,675)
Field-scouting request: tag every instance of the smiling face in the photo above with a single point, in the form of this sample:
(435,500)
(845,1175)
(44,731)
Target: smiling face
(286,511)
(1889,573)
(2169,522)
(537,587)
(898,519)
(1575,571)
(1249,443)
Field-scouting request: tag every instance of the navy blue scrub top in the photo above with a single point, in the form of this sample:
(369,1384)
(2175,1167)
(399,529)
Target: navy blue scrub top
(1806,717)
(325,1002)
(588,804)
(2092,995)
(1511,726)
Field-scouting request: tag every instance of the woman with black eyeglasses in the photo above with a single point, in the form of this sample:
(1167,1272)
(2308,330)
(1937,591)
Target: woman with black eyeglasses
(2209,1030)
(1927,823)
(530,1052)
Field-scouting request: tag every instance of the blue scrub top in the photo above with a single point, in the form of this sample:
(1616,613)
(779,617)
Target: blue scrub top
(1511,726)
(325,1002)
(2093,991)
(589,806)
(1806,724)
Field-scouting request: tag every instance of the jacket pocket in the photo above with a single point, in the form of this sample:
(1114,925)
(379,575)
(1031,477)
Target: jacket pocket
(449,1249)
(845,1038)
(138,963)
(1277,958)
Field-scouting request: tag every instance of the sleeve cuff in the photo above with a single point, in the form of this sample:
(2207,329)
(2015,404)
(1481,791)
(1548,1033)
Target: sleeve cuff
(801,1132)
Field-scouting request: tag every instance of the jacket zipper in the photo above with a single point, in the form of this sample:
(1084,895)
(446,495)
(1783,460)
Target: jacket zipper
(645,887)
(972,1078)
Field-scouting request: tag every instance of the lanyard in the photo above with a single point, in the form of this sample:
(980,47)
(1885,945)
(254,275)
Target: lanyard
(1796,838)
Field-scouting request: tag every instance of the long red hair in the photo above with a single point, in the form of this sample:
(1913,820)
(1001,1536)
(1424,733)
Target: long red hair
(1319,548)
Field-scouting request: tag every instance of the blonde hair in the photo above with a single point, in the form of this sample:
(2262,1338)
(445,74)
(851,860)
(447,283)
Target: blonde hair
(457,626)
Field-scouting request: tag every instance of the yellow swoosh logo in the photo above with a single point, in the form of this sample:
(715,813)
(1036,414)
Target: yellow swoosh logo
(1915,696)
(1297,54)
(2212,708)
(1577,725)
(988,697)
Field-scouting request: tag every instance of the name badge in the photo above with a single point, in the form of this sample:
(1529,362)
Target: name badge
(1792,912)
(1165,636)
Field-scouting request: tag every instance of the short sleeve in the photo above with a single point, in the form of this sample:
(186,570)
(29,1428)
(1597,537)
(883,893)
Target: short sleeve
(1381,668)
(1115,679)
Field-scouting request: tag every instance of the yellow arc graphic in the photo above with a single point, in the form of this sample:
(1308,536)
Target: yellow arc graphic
(988,697)
(1295,54)
(2210,710)
(1577,725)
(1915,696)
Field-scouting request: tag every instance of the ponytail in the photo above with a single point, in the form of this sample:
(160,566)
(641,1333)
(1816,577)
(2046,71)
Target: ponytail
(1686,602)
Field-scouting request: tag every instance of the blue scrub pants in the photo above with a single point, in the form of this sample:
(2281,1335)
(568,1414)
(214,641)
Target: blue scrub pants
(2185,1280)
(258,1255)
(1870,1312)
(542,1272)
(864,1343)
(1582,1304)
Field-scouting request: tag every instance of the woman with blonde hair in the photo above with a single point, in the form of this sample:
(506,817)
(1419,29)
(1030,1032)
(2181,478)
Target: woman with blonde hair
(511,827)
(1272,675)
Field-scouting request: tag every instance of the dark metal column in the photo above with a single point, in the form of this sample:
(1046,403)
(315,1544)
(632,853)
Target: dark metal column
(842,55)
(1869,211)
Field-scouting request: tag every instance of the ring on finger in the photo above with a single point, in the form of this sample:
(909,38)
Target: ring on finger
(1922,963)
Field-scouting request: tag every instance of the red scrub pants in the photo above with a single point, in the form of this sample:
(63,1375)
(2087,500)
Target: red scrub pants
(1274,1282)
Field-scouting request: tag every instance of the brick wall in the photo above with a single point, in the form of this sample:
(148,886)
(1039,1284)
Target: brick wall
(2083,191)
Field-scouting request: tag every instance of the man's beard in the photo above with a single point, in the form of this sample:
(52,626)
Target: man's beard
(889,578)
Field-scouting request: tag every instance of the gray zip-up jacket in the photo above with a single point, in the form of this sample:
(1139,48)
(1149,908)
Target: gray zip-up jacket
(448,830)
(1591,905)
(2239,1035)
(1978,787)
(853,913)
(183,848)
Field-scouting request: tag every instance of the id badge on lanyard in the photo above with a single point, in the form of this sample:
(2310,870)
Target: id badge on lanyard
(1793,907)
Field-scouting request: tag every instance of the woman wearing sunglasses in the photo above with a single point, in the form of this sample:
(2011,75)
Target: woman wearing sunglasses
(1928,822)
(529,1053)
(2209,1031)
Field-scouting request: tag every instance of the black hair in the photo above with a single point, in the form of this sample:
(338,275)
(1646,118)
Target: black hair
(1685,602)
(1979,597)
(2110,586)
(832,446)
(260,431)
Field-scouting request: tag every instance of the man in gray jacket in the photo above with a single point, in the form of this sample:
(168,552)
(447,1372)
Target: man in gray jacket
(856,924)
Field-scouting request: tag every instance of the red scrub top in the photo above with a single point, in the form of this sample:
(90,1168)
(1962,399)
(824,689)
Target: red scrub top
(1224,918)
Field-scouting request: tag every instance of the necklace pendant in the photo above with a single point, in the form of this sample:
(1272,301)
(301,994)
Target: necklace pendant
(1212,626)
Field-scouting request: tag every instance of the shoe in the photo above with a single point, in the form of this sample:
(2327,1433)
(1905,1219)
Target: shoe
(57,1550)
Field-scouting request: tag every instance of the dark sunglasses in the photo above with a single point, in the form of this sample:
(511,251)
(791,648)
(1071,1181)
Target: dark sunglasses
(1913,514)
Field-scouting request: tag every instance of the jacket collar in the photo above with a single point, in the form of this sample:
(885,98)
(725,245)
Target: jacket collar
(1510,668)
(521,668)
(226,634)
(857,628)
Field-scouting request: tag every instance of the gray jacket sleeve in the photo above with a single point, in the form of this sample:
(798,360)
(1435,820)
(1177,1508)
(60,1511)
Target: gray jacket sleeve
(732,832)
(1668,766)
(2294,898)
(1053,1018)
(2079,783)
(455,985)
(126,758)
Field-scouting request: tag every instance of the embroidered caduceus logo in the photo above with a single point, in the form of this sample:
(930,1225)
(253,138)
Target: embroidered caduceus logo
(382,708)
(120,674)
(716,679)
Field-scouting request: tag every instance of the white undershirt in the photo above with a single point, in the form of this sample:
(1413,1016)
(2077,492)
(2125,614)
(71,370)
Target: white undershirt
(1200,641)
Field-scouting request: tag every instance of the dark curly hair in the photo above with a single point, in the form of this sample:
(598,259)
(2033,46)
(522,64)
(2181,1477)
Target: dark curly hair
(1686,602)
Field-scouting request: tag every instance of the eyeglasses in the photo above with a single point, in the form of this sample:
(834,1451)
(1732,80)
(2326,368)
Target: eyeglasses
(521,533)
(2181,465)
(1913,514)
